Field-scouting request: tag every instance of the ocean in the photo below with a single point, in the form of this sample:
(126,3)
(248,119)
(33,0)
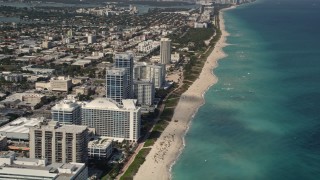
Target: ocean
(261,120)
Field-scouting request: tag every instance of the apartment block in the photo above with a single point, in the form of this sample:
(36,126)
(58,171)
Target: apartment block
(59,143)
(144,92)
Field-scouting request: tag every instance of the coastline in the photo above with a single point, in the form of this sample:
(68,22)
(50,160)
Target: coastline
(169,146)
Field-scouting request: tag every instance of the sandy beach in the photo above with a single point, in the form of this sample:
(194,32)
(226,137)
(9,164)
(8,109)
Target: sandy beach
(171,142)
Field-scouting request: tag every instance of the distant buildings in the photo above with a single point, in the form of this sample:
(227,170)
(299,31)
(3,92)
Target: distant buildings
(116,84)
(59,143)
(46,44)
(24,100)
(12,77)
(61,83)
(111,119)
(92,39)
(165,51)
(67,111)
(12,167)
(37,70)
(200,25)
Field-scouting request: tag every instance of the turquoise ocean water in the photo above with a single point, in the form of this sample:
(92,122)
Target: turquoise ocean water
(262,119)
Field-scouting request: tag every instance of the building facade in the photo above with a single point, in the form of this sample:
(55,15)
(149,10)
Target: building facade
(155,73)
(3,143)
(67,111)
(144,92)
(116,84)
(59,143)
(111,119)
(165,51)
(100,148)
(125,60)
(63,84)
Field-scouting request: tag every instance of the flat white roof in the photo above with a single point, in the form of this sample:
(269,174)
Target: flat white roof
(108,104)
(20,125)
(65,105)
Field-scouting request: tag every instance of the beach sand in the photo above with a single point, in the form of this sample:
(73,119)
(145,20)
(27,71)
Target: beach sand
(171,142)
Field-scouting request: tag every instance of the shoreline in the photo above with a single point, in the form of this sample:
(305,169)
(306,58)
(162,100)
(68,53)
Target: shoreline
(169,146)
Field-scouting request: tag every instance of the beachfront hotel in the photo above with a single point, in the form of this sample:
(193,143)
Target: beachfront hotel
(112,119)
(165,51)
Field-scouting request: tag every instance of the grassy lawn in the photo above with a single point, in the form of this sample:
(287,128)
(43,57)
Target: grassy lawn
(154,135)
(172,102)
(134,167)
(167,114)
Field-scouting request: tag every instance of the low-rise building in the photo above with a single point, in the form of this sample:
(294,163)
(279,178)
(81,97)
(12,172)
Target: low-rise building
(42,85)
(100,148)
(61,83)
(18,130)
(12,167)
(23,100)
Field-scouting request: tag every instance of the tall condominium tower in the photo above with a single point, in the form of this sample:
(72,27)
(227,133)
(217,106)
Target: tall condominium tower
(125,60)
(111,119)
(67,111)
(116,84)
(151,72)
(144,92)
(165,51)
(59,143)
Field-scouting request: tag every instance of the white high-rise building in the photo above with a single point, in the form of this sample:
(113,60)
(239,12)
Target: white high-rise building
(125,60)
(111,119)
(165,51)
(151,72)
(157,74)
(144,92)
(67,111)
(116,84)
(140,71)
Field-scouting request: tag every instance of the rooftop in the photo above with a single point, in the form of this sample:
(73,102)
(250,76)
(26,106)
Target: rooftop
(38,167)
(109,104)
(53,125)
(20,125)
(100,143)
(65,105)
